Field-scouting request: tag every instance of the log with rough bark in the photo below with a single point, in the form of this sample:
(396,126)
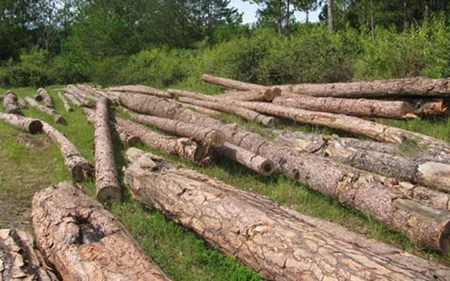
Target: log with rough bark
(58,118)
(83,241)
(183,147)
(66,104)
(99,93)
(276,242)
(74,161)
(84,98)
(25,124)
(200,109)
(430,107)
(19,258)
(73,99)
(429,173)
(175,93)
(43,95)
(10,103)
(106,178)
(352,107)
(369,193)
(180,128)
(226,107)
(238,85)
(141,90)
(22,103)
(254,95)
(418,86)
(116,129)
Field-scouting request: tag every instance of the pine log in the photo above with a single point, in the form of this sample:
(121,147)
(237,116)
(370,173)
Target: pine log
(275,241)
(418,86)
(366,192)
(106,178)
(233,109)
(259,95)
(83,241)
(200,109)
(22,103)
(74,161)
(195,152)
(430,107)
(238,85)
(180,128)
(141,90)
(175,93)
(25,124)
(116,129)
(352,107)
(429,173)
(43,95)
(56,116)
(66,104)
(19,259)
(73,99)
(350,124)
(99,93)
(85,99)
(10,103)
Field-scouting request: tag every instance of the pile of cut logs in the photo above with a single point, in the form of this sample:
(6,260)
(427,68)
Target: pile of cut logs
(407,192)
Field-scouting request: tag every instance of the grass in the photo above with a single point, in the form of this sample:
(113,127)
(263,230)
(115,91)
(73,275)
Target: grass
(30,163)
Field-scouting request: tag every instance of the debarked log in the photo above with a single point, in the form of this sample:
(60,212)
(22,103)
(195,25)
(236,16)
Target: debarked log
(56,116)
(29,125)
(10,102)
(275,241)
(66,104)
(83,241)
(141,90)
(43,95)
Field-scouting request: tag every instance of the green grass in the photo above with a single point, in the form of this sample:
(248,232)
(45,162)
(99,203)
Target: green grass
(30,163)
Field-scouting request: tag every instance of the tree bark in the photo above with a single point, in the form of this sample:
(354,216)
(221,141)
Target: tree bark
(418,86)
(366,192)
(22,103)
(43,95)
(352,107)
(84,99)
(25,124)
(19,259)
(261,95)
(99,93)
(84,241)
(330,6)
(56,116)
(429,173)
(140,89)
(238,85)
(116,129)
(175,93)
(74,161)
(106,178)
(10,103)
(183,147)
(275,241)
(66,104)
(200,109)
(226,107)
(72,98)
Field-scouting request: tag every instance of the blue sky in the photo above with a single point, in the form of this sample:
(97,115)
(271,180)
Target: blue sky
(249,11)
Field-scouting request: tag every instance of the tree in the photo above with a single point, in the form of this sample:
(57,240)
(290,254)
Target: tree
(306,6)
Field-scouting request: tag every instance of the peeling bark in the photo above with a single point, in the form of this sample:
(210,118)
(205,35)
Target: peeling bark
(140,89)
(25,124)
(10,103)
(43,95)
(56,116)
(106,178)
(19,259)
(84,241)
(275,241)
(66,104)
(74,161)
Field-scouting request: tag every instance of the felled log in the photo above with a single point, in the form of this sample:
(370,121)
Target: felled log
(141,90)
(25,124)
(73,99)
(84,98)
(430,107)
(66,104)
(238,85)
(99,93)
(418,86)
(200,109)
(74,161)
(352,107)
(275,241)
(366,192)
(254,95)
(19,259)
(183,147)
(106,178)
(116,129)
(22,103)
(10,103)
(83,241)
(56,116)
(209,136)
(233,109)
(429,173)
(43,95)
(175,93)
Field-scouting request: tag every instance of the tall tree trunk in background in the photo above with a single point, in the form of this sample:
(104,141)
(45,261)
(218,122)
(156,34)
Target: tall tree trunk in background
(405,14)
(372,20)
(279,23)
(307,17)
(330,5)
(288,15)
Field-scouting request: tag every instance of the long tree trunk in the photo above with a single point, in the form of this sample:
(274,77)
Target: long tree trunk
(22,103)
(234,84)
(74,161)
(330,15)
(350,186)
(11,104)
(352,107)
(204,110)
(418,86)
(140,89)
(277,242)
(66,104)
(106,178)
(85,99)
(99,93)
(25,124)
(251,95)
(429,173)
(84,241)
(56,116)
(73,99)
(43,95)
(19,259)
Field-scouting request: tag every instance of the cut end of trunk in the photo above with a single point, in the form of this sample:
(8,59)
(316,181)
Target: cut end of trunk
(133,140)
(216,138)
(35,127)
(109,194)
(267,168)
(83,171)
(60,120)
(276,92)
(269,95)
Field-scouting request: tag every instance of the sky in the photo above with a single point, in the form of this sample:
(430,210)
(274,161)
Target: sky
(249,11)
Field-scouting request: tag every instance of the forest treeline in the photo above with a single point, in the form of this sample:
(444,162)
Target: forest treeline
(162,43)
